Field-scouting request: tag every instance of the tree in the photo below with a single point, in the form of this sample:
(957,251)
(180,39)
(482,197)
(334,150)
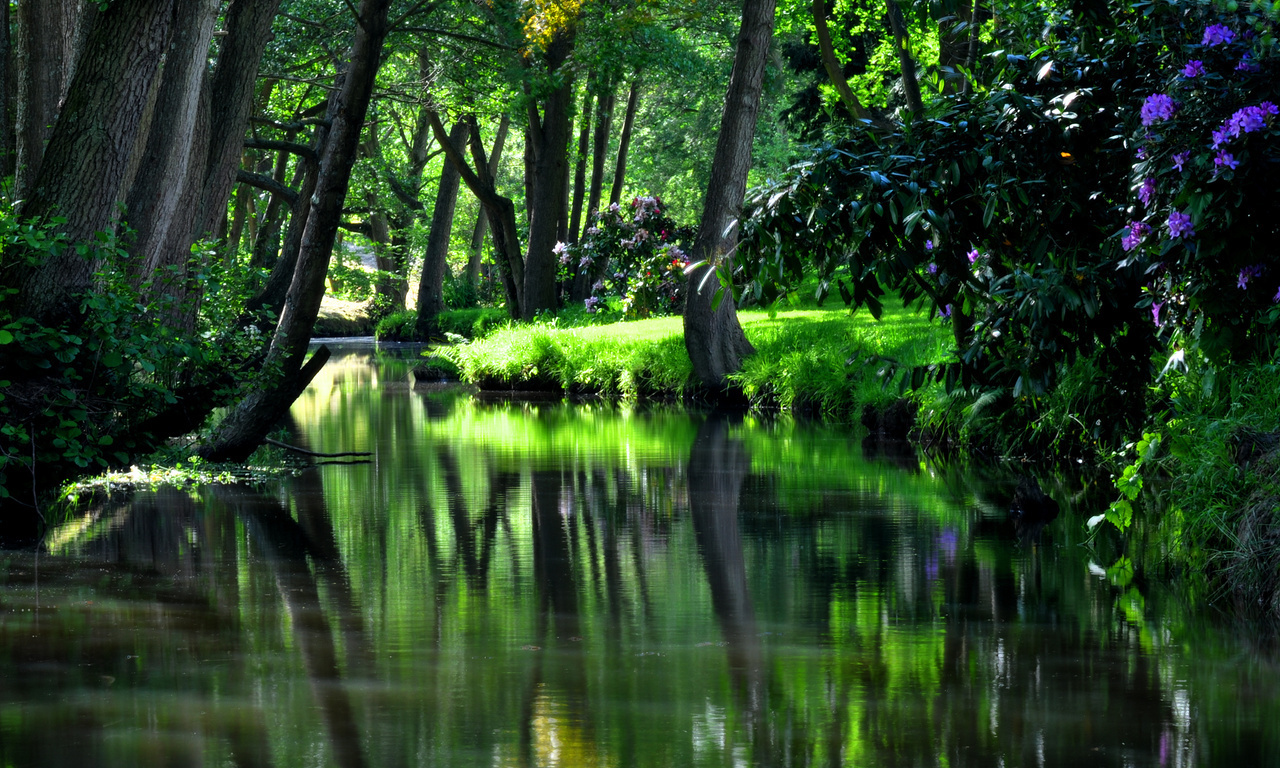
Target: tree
(434,260)
(713,336)
(256,414)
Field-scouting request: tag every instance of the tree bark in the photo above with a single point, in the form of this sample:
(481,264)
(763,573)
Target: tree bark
(43,64)
(550,143)
(435,260)
(6,128)
(712,333)
(482,220)
(166,160)
(624,142)
(89,153)
(902,44)
(253,417)
(835,72)
(248,25)
(599,146)
(580,168)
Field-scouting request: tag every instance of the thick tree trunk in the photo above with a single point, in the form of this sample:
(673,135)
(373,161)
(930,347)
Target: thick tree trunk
(482,220)
(580,168)
(902,44)
(712,334)
(43,66)
(500,211)
(624,142)
(6,69)
(166,161)
(549,134)
(599,147)
(254,416)
(835,72)
(435,260)
(89,152)
(248,25)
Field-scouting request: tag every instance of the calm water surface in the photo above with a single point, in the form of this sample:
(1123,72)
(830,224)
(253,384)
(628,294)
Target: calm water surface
(554,585)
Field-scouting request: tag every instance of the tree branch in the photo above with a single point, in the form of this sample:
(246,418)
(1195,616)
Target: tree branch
(262,181)
(305,452)
(300,150)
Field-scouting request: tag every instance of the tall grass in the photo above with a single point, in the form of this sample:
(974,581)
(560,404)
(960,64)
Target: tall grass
(811,359)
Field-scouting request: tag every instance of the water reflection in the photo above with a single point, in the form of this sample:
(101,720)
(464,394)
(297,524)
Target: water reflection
(544,585)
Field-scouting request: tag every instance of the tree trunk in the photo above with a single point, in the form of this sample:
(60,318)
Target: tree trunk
(435,260)
(580,169)
(482,220)
(902,43)
(599,146)
(624,142)
(43,64)
(6,128)
(89,153)
(248,25)
(166,161)
(253,417)
(712,334)
(550,142)
(835,72)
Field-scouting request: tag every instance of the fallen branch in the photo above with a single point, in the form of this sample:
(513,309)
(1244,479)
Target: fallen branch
(305,452)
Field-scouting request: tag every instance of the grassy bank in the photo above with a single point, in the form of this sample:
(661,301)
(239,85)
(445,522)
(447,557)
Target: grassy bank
(820,360)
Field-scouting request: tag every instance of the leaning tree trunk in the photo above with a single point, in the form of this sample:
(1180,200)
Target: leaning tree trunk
(599,145)
(902,43)
(166,161)
(250,421)
(89,152)
(500,211)
(248,25)
(435,260)
(712,334)
(482,220)
(835,72)
(43,64)
(624,143)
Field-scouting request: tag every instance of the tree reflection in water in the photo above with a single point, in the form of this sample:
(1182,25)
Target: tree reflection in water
(514,585)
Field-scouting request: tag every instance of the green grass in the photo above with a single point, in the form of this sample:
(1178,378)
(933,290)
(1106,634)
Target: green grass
(813,359)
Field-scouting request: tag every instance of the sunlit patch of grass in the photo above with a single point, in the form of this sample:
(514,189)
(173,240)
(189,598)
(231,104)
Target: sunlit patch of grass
(815,359)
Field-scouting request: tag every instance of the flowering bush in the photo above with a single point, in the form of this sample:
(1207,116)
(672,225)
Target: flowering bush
(1204,170)
(633,255)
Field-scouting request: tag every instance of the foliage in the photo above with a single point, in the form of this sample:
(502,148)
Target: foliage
(996,211)
(636,257)
(1205,150)
(76,394)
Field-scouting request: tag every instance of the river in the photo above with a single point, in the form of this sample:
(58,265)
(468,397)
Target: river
(551,584)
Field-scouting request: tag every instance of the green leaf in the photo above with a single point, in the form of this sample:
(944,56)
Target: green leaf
(6,337)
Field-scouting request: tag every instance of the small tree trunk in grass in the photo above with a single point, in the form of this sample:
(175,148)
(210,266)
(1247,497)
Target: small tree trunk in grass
(712,334)
(435,260)
(624,142)
(250,421)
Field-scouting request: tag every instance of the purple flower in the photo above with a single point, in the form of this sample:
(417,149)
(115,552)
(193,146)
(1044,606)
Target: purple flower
(1155,312)
(1180,225)
(1194,68)
(592,304)
(932,269)
(1180,159)
(1247,120)
(1246,64)
(1137,231)
(928,245)
(584,262)
(1276,299)
(1247,274)
(1216,34)
(1147,192)
(1158,106)
(973,255)
(1220,136)
(945,311)
(1141,153)
(1225,160)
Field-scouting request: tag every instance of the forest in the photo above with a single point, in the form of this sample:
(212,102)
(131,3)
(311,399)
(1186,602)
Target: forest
(1076,194)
